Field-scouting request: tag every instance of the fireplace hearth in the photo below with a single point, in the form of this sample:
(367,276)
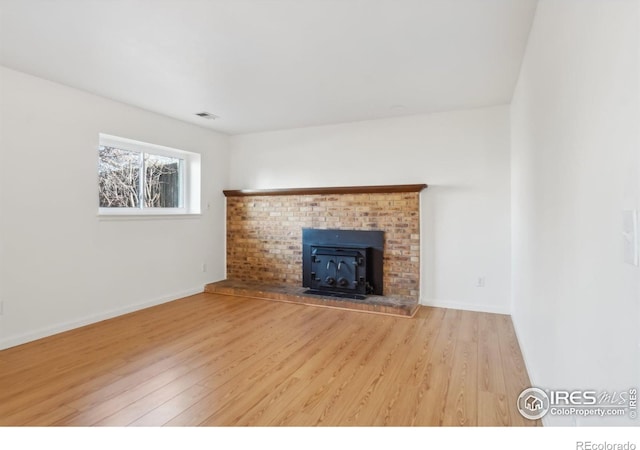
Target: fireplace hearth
(342,263)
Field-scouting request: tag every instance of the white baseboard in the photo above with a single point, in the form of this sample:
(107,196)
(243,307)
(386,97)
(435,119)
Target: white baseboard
(452,304)
(532,378)
(23,338)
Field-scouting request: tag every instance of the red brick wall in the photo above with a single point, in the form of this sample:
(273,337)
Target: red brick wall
(264,234)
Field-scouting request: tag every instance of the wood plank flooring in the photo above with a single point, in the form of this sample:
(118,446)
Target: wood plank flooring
(216,360)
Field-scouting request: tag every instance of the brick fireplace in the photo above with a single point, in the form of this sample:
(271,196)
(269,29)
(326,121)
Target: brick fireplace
(264,231)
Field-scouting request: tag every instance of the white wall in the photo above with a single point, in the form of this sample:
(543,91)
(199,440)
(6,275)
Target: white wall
(575,168)
(62,266)
(463,156)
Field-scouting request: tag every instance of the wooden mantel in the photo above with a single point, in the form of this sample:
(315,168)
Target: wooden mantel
(391,188)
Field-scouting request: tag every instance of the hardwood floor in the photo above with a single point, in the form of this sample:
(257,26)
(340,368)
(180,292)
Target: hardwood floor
(219,360)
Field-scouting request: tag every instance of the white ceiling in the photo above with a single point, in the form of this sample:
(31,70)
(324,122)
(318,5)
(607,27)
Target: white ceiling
(273,64)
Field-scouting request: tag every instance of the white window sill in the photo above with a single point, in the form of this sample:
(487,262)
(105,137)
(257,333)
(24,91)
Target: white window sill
(150,215)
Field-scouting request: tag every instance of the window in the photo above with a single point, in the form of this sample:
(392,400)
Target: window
(139,178)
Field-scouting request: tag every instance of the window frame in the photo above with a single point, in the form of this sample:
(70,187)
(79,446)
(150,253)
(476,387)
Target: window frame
(189,177)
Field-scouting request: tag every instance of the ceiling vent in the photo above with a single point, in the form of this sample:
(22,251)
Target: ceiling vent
(206,115)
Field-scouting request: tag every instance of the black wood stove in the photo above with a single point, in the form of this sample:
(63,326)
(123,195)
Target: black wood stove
(342,263)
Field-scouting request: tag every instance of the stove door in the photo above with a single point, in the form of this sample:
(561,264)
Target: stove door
(338,269)
(346,272)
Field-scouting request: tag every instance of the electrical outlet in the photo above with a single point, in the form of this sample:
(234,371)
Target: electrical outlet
(630,234)
(204,267)
(1,307)
(480,282)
